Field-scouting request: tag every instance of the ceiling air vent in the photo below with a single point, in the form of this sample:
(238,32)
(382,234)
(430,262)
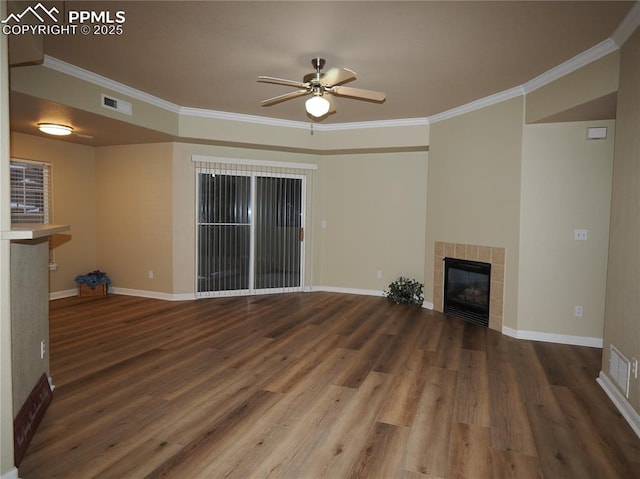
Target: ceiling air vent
(111,103)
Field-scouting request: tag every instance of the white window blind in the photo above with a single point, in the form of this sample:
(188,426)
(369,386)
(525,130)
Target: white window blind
(30,192)
(250,224)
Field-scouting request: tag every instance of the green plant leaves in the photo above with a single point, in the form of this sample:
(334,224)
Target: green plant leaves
(406,291)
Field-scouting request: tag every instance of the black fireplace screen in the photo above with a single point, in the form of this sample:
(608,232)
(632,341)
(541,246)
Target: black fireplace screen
(467,287)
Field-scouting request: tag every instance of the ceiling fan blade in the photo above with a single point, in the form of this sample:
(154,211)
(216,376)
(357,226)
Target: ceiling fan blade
(337,76)
(281,81)
(358,93)
(332,103)
(286,96)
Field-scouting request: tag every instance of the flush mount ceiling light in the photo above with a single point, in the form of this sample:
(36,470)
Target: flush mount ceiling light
(317,106)
(55,129)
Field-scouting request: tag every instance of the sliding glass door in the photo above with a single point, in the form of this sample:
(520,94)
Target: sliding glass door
(250,232)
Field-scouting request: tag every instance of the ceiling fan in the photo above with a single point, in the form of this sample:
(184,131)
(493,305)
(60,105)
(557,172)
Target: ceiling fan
(321,87)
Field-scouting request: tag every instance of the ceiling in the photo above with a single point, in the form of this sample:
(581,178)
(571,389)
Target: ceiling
(427,56)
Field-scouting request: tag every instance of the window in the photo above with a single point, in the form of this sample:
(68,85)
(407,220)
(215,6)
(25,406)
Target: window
(30,192)
(31,195)
(250,226)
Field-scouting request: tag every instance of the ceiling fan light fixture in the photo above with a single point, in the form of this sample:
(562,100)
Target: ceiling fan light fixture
(317,106)
(55,129)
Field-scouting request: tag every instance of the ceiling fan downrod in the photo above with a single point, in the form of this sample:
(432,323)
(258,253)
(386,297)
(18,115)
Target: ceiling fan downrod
(318,64)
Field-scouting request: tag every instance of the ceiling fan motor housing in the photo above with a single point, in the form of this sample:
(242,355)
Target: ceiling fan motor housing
(317,85)
(318,63)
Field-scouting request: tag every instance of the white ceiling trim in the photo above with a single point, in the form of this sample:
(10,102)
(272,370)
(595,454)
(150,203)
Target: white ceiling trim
(104,82)
(604,48)
(581,59)
(628,26)
(478,104)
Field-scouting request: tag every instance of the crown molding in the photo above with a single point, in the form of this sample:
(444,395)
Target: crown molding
(628,26)
(478,104)
(99,80)
(594,53)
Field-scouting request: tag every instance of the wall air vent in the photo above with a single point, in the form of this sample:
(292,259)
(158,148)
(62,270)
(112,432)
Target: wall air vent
(111,103)
(619,370)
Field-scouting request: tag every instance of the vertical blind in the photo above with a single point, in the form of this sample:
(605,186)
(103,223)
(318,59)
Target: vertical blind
(250,227)
(30,192)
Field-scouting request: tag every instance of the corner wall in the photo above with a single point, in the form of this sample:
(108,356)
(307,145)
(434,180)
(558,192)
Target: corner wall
(134,232)
(566,185)
(73,196)
(473,189)
(371,218)
(622,310)
(7,465)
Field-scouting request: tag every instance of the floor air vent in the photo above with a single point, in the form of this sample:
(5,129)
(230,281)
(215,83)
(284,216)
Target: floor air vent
(619,370)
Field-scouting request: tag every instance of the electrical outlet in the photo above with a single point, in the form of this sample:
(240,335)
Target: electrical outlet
(578,311)
(580,235)
(43,349)
(379,274)
(150,274)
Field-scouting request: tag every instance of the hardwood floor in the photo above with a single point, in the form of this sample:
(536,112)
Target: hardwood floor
(316,385)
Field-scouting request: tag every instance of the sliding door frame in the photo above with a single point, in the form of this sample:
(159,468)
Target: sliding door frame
(260,170)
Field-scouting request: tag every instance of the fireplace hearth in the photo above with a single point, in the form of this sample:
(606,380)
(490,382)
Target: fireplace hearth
(467,287)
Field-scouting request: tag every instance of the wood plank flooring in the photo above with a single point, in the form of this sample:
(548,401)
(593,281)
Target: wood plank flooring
(316,385)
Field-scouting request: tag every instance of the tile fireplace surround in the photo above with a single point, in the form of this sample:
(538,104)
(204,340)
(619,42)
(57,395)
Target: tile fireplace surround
(473,252)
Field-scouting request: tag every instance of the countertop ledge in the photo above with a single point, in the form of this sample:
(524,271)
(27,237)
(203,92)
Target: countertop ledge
(28,231)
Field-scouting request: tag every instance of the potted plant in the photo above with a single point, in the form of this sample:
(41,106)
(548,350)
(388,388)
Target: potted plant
(95,283)
(406,291)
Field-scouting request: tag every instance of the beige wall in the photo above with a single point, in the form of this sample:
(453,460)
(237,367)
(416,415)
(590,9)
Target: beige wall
(7,466)
(473,192)
(134,229)
(622,312)
(566,184)
(73,196)
(42,82)
(374,208)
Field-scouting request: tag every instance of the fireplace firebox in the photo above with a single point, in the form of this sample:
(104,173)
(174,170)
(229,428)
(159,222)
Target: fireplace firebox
(467,290)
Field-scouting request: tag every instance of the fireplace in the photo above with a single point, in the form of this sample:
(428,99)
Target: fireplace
(467,290)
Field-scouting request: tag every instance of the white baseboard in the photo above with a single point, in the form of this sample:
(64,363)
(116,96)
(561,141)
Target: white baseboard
(336,289)
(620,402)
(10,474)
(364,292)
(189,296)
(128,292)
(153,294)
(63,294)
(553,337)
